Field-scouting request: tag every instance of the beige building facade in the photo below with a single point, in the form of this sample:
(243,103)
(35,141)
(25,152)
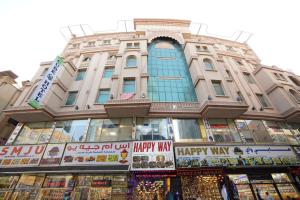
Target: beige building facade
(159,83)
(9,94)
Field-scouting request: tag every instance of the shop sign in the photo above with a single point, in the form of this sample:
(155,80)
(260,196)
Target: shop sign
(21,156)
(14,134)
(115,153)
(232,156)
(152,155)
(101,183)
(42,89)
(52,155)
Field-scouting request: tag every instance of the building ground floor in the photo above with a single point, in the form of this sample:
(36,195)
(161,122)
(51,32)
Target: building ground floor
(188,184)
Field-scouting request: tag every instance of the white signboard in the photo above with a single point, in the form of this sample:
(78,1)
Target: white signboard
(152,155)
(45,84)
(115,153)
(52,155)
(14,134)
(212,156)
(21,156)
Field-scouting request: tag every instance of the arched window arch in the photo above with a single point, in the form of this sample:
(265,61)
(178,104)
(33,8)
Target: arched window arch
(295,94)
(208,64)
(294,80)
(3,84)
(131,61)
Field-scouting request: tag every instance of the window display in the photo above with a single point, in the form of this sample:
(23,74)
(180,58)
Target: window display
(186,129)
(244,131)
(259,131)
(151,188)
(205,187)
(100,187)
(7,184)
(224,130)
(28,187)
(276,132)
(240,186)
(35,133)
(153,129)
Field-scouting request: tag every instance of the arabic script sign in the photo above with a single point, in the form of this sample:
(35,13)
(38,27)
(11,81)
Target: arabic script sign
(212,156)
(21,156)
(45,84)
(115,153)
(153,155)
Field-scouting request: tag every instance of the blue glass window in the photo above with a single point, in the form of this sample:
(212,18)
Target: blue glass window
(169,77)
(131,61)
(80,74)
(129,86)
(208,64)
(108,72)
(103,96)
(71,98)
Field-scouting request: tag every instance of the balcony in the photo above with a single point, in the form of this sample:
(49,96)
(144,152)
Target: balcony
(27,113)
(223,109)
(128,107)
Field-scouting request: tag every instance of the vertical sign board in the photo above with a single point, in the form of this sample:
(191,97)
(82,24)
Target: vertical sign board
(14,134)
(45,84)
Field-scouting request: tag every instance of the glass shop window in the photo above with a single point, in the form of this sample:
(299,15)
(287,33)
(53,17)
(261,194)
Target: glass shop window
(276,132)
(244,131)
(224,130)
(110,130)
(35,133)
(295,129)
(28,187)
(153,129)
(69,131)
(7,184)
(259,131)
(186,129)
(240,186)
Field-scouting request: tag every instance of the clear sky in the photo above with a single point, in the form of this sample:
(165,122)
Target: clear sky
(29,31)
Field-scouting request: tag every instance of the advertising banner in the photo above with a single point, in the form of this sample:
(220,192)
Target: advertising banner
(153,155)
(21,156)
(114,153)
(14,134)
(45,83)
(232,156)
(52,155)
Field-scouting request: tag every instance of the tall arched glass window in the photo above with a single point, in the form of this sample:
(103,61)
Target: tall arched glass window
(208,64)
(131,61)
(169,76)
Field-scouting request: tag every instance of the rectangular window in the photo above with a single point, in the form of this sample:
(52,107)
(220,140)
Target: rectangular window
(44,72)
(35,133)
(244,131)
(262,100)
(136,45)
(80,74)
(70,131)
(108,72)
(248,77)
(224,130)
(91,44)
(103,96)
(129,86)
(106,41)
(129,45)
(116,129)
(277,133)
(218,88)
(71,98)
(259,131)
(153,129)
(186,129)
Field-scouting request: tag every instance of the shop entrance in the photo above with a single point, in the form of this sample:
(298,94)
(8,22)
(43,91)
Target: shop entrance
(150,189)
(203,186)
